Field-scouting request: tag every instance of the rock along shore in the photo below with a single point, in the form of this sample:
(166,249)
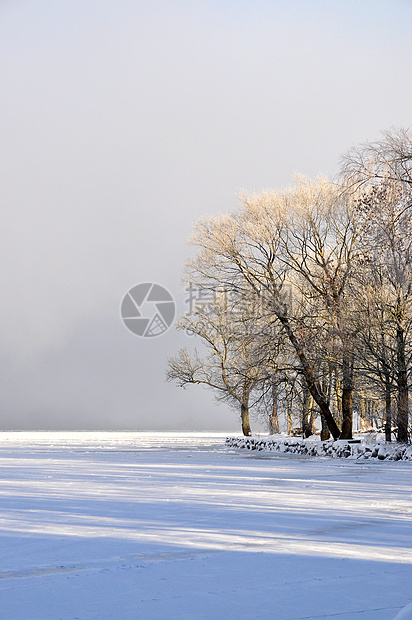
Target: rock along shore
(342,448)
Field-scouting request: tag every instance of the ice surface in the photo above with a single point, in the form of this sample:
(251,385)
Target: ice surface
(146,525)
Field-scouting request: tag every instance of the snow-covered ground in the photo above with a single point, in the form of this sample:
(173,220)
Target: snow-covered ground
(175,526)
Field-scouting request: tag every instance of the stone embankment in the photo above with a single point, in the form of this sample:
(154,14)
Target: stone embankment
(342,448)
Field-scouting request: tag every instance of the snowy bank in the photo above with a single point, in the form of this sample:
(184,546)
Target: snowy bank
(352,449)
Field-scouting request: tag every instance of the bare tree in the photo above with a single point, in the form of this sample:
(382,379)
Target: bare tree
(324,273)
(375,339)
(387,159)
(382,172)
(276,242)
(229,366)
(386,209)
(321,247)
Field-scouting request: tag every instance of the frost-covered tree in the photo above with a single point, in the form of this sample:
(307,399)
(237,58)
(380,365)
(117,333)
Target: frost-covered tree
(324,273)
(375,344)
(320,246)
(386,209)
(382,172)
(388,159)
(292,250)
(229,365)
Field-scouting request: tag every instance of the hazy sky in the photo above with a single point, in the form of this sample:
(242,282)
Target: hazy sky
(123,122)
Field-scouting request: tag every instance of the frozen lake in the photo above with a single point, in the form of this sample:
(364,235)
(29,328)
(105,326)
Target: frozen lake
(177,526)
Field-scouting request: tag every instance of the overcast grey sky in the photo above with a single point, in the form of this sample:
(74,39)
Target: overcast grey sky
(122,122)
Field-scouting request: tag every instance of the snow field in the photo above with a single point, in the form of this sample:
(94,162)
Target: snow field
(140,525)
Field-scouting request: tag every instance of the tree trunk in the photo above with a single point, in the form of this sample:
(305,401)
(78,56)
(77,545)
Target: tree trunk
(273,417)
(327,389)
(244,414)
(337,394)
(347,396)
(307,414)
(311,382)
(402,381)
(324,430)
(388,391)
(289,420)
(388,410)
(365,414)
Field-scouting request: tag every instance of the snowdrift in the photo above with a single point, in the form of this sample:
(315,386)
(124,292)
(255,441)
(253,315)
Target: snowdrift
(342,448)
